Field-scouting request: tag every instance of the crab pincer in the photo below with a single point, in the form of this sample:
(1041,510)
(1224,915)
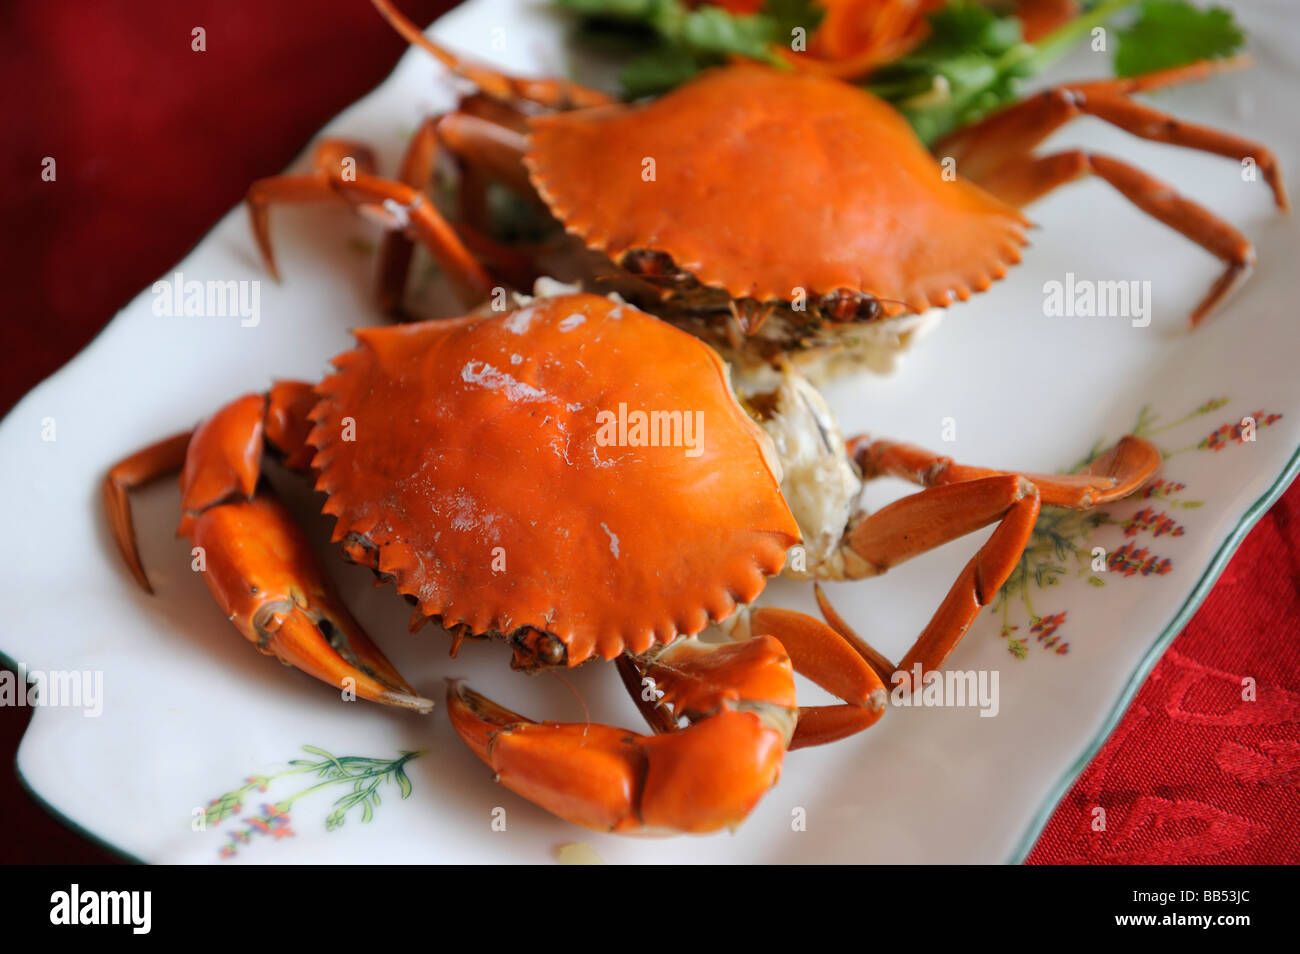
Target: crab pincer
(737,699)
(255,559)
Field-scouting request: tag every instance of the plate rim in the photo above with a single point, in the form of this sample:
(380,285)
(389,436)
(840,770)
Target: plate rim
(1154,653)
(1055,793)
(67,821)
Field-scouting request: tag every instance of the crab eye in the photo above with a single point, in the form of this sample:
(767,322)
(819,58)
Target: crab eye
(550,650)
(845,305)
(649,263)
(539,648)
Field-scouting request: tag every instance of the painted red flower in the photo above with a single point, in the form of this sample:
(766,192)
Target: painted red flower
(1152,520)
(1161,488)
(1130,560)
(1045,630)
(1221,436)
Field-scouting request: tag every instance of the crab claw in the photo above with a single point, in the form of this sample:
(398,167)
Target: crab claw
(263,573)
(738,701)
(254,557)
(703,778)
(333,648)
(585,774)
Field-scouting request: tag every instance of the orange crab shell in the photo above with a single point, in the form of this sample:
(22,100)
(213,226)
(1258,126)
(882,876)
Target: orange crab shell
(765,182)
(471,453)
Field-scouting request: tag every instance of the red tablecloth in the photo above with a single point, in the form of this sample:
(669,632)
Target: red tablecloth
(154,142)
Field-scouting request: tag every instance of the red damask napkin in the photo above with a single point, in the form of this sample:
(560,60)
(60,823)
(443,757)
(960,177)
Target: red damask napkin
(153,141)
(1194,772)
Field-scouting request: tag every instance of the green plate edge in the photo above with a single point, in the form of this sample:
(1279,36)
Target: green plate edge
(1153,654)
(69,823)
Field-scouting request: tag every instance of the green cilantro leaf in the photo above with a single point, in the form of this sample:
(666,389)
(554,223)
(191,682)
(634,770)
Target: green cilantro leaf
(788,14)
(646,11)
(713,31)
(971,64)
(659,69)
(963,27)
(1170,33)
(677,42)
(967,67)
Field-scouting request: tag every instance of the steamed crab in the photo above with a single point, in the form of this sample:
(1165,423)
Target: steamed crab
(767,211)
(569,540)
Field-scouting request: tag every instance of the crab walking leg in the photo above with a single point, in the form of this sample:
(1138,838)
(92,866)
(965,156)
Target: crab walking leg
(959,499)
(879,664)
(396,248)
(141,468)
(1012,133)
(739,699)
(476,169)
(1152,124)
(396,204)
(257,561)
(1194,72)
(924,520)
(996,153)
(935,516)
(410,210)
(820,653)
(488,137)
(975,587)
(488,146)
(1022,181)
(331,157)
(552,93)
(1115,473)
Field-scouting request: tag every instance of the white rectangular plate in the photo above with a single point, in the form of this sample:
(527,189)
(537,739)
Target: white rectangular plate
(190,713)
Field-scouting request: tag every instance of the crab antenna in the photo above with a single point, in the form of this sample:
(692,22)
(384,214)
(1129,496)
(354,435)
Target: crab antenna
(907,306)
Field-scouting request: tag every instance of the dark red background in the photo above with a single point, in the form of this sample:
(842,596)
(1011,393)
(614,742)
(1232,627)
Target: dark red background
(154,142)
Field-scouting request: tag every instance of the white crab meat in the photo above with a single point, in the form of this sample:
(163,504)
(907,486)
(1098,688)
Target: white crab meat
(819,482)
